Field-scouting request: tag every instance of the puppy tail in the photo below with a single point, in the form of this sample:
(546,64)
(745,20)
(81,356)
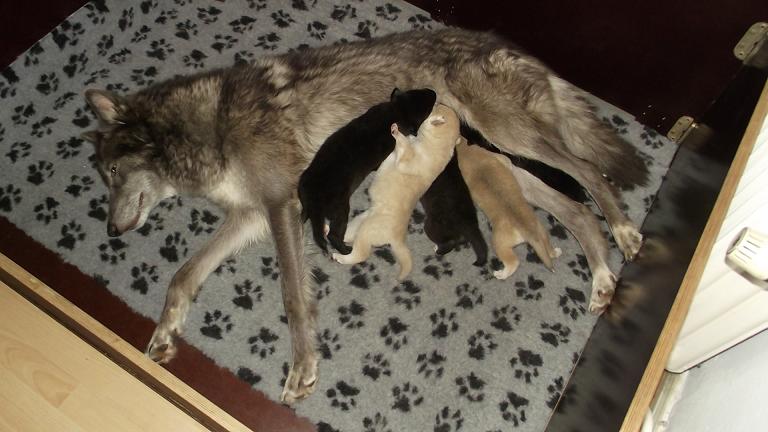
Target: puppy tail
(403,255)
(475,237)
(588,138)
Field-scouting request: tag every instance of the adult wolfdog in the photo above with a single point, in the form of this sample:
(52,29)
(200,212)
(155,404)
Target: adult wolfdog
(241,137)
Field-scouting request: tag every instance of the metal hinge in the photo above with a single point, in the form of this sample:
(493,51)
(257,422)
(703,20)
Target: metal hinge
(680,129)
(751,43)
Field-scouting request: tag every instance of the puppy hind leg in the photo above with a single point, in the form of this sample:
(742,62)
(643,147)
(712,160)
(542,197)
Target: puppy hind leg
(317,221)
(338,228)
(403,255)
(476,240)
(354,225)
(506,254)
(361,250)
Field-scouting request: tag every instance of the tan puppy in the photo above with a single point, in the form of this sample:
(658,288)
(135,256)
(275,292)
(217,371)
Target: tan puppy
(495,190)
(400,181)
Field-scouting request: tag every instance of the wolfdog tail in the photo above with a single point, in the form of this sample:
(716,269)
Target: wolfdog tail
(590,139)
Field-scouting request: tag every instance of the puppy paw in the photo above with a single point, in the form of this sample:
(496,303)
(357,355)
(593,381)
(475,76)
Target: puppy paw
(556,252)
(161,347)
(603,288)
(339,258)
(504,273)
(629,240)
(301,381)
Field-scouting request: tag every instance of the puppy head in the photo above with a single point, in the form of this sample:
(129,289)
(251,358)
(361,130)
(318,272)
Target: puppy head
(412,108)
(442,123)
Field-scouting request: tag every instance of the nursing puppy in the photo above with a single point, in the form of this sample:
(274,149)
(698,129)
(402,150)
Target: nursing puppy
(349,155)
(400,181)
(451,217)
(495,190)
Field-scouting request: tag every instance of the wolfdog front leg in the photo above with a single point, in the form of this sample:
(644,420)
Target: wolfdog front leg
(299,300)
(239,228)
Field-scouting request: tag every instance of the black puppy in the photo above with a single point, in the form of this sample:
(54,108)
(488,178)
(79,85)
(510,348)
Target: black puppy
(451,216)
(349,155)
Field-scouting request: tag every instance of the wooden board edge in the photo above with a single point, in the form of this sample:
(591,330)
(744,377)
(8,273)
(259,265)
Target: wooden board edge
(658,361)
(118,350)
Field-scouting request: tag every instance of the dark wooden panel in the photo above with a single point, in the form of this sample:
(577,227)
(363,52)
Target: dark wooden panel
(656,59)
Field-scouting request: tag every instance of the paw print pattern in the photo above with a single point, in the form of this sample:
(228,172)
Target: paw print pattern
(405,397)
(119,57)
(97,208)
(144,77)
(227,266)
(223,42)
(443,323)
(505,318)
(67,33)
(389,12)
(555,390)
(526,365)
(572,303)
(407,294)
(437,267)
(209,15)
(82,118)
(376,424)
(263,343)
(202,222)
(142,276)
(63,100)
(99,75)
(246,293)
(33,55)
(328,343)
(154,222)
(416,223)
(66,149)
(420,21)
(363,275)
(554,334)
(106,43)
(342,395)
(22,114)
(394,333)
(317,30)
(513,408)
(257,4)
(42,127)
(97,12)
(580,267)
(160,49)
(431,365)
(71,233)
(112,251)
(216,324)
(195,59)
(269,268)
(351,315)
(244,57)
(75,64)
(366,29)
(471,387)
(175,245)
(78,185)
(186,29)
(375,365)
(126,19)
(47,211)
(468,296)
(529,290)
(282,19)
(268,41)
(243,24)
(141,34)
(48,83)
(480,345)
(341,12)
(167,15)
(556,230)
(447,421)
(18,151)
(248,375)
(302,4)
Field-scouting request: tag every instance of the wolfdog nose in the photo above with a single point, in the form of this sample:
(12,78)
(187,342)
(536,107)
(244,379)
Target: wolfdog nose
(112,230)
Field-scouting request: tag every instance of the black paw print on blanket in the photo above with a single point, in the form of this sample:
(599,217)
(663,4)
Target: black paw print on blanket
(248,375)
(71,233)
(526,365)
(363,275)
(351,315)
(580,267)
(394,333)
(10,195)
(216,324)
(342,395)
(97,208)
(375,365)
(437,267)
(341,12)
(555,389)
(175,247)
(112,251)
(202,222)
(513,407)
(572,303)
(79,185)
(328,343)
(554,334)
(443,323)
(19,150)
(142,276)
(407,294)
(268,41)
(47,211)
(270,268)
(448,421)
(431,364)
(389,12)
(471,387)
(376,424)
(155,222)
(481,344)
(263,343)
(505,318)
(247,293)
(39,172)
(530,289)
(405,397)
(469,296)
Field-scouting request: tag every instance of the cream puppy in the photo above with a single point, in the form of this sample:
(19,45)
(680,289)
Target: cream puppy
(400,181)
(495,190)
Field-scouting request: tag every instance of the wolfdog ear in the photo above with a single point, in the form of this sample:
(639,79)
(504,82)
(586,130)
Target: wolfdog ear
(107,105)
(395,93)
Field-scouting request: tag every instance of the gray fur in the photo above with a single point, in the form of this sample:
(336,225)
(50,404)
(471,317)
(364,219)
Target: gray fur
(242,136)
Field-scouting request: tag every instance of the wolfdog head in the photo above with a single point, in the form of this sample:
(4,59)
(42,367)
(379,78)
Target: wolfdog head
(125,159)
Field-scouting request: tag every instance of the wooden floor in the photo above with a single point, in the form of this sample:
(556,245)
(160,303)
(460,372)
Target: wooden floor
(51,380)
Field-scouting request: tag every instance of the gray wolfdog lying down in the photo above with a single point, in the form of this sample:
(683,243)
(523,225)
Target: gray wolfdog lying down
(242,136)
(400,181)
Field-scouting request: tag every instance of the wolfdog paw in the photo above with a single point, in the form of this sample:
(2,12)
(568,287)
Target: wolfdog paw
(603,288)
(161,347)
(301,381)
(628,239)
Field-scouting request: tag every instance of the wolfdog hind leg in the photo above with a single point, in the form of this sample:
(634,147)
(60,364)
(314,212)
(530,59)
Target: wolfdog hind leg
(299,300)
(584,226)
(238,229)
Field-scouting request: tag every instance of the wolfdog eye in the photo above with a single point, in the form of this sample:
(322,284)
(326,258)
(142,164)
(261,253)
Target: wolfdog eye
(113,170)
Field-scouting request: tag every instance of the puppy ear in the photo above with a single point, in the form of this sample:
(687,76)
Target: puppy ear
(436,120)
(107,105)
(395,93)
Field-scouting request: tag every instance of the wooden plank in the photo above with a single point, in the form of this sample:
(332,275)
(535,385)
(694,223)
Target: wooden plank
(653,372)
(53,380)
(119,351)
